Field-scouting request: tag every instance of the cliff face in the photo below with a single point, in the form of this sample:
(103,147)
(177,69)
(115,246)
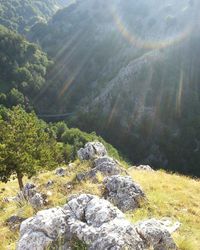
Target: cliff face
(130,70)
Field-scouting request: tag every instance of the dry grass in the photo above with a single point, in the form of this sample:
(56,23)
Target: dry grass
(174,196)
(169,195)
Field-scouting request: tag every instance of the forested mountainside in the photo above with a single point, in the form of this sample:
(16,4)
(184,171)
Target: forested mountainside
(130,71)
(23,69)
(20,15)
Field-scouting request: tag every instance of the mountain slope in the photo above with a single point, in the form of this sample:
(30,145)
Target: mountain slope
(20,15)
(23,69)
(179,201)
(130,71)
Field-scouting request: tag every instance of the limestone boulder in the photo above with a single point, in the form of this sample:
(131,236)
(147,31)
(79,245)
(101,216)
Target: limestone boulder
(94,221)
(106,166)
(123,192)
(92,150)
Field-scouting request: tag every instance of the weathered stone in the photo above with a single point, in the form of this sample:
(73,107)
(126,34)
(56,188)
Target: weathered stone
(14,222)
(144,167)
(27,193)
(38,200)
(106,166)
(29,190)
(43,230)
(99,224)
(94,221)
(91,151)
(156,234)
(30,194)
(123,192)
(60,172)
(80,176)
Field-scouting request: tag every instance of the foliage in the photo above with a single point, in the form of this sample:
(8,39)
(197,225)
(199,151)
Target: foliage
(23,68)
(72,139)
(25,146)
(20,15)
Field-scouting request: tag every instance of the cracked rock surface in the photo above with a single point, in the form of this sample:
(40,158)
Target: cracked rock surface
(91,151)
(94,221)
(123,192)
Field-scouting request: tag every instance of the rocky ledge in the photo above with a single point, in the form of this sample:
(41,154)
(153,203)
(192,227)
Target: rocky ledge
(96,223)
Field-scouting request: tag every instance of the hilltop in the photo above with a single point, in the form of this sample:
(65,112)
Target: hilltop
(168,195)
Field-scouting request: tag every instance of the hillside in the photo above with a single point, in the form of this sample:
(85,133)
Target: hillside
(99,125)
(23,68)
(130,71)
(169,195)
(21,15)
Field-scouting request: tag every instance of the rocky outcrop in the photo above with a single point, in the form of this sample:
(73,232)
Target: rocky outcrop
(156,234)
(30,194)
(43,230)
(29,190)
(94,221)
(143,167)
(91,151)
(123,192)
(38,200)
(107,166)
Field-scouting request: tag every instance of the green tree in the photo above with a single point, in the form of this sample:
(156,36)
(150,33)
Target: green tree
(25,147)
(15,97)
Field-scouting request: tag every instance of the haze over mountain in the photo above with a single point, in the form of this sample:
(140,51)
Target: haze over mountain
(130,71)
(20,15)
(99,120)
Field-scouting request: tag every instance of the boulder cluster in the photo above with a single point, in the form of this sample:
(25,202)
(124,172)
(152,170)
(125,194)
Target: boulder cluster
(30,194)
(98,223)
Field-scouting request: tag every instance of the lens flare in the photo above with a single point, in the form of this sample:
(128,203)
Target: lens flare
(138,42)
(179,94)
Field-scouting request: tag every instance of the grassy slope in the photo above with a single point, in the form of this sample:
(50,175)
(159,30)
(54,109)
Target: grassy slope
(169,195)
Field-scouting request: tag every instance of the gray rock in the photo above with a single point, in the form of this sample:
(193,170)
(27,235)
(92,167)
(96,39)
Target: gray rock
(60,171)
(27,193)
(106,166)
(38,201)
(29,190)
(123,192)
(91,151)
(144,167)
(156,234)
(92,220)
(80,176)
(30,194)
(43,230)
(14,222)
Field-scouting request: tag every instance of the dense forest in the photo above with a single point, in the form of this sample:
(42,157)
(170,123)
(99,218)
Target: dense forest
(128,71)
(21,15)
(23,68)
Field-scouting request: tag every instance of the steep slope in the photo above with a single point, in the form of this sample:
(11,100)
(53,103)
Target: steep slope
(168,195)
(23,69)
(129,70)
(20,15)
